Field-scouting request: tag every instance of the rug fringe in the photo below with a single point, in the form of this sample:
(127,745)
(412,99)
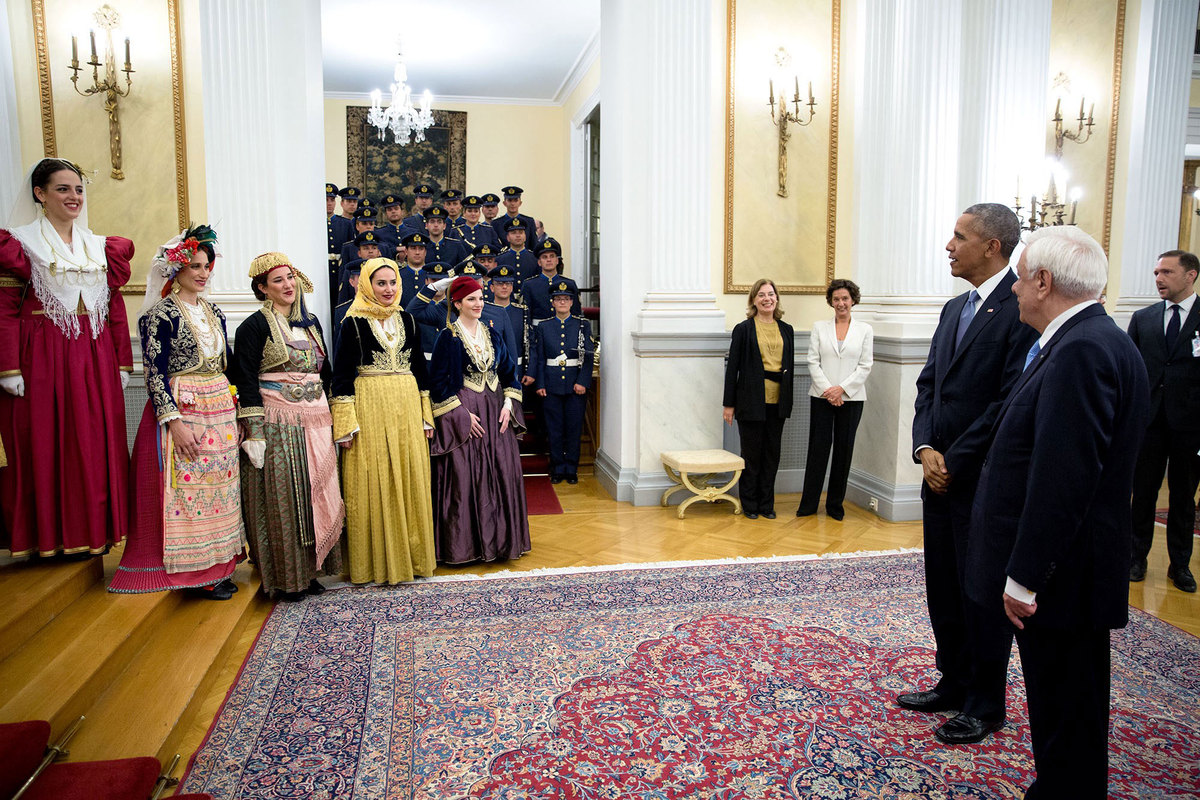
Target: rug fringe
(513,573)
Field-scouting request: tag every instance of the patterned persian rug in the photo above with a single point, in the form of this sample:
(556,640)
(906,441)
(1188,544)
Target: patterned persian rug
(756,679)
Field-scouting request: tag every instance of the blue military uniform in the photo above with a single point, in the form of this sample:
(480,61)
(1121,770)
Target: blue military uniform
(562,357)
(350,253)
(480,233)
(415,222)
(338,231)
(449,195)
(523,260)
(446,250)
(430,316)
(339,311)
(518,315)
(527,221)
(388,231)
(412,279)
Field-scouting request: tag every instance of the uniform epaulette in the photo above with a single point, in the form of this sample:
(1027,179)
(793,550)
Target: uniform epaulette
(519,305)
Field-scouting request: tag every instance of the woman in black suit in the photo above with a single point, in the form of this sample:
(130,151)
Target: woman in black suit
(758,393)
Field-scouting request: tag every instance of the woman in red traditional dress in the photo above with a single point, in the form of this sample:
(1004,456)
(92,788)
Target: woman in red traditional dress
(185,521)
(65,357)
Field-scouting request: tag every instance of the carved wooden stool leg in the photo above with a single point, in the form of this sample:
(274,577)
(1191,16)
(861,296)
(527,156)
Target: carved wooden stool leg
(674,476)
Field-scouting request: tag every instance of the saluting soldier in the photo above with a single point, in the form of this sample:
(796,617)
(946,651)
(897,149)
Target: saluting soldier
(517,254)
(473,232)
(490,206)
(428,306)
(452,201)
(338,231)
(535,292)
(366,245)
(561,367)
(352,271)
(502,281)
(422,202)
(512,206)
(441,247)
(389,227)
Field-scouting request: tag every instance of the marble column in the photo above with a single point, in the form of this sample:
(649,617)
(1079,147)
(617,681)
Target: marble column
(663,335)
(11,169)
(264,142)
(1157,121)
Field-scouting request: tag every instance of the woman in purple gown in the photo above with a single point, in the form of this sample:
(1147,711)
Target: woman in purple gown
(479,496)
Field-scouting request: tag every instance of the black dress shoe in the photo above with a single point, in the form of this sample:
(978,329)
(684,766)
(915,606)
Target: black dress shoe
(209,592)
(802,512)
(292,597)
(315,587)
(573,480)
(769,515)
(839,515)
(931,701)
(965,729)
(555,479)
(228,585)
(750,515)
(1182,578)
(1137,570)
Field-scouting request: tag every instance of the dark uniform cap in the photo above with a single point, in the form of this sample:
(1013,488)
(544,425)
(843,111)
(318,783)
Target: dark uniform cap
(549,245)
(331,190)
(435,269)
(366,203)
(512,191)
(435,212)
(469,268)
(390,200)
(472,201)
(415,240)
(503,274)
(366,237)
(351,192)
(366,212)
(424,190)
(485,251)
(561,287)
(354,267)
(451,194)
(515,223)
(490,199)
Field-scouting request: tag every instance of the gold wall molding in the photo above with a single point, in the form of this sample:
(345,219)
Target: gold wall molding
(831,190)
(1110,177)
(49,141)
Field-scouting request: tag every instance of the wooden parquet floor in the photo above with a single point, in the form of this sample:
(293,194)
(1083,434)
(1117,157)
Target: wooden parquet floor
(594,531)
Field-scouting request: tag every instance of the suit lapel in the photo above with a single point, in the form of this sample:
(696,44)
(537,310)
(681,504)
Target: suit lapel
(946,332)
(987,311)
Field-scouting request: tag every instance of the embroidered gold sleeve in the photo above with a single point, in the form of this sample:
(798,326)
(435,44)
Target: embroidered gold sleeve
(345,417)
(426,408)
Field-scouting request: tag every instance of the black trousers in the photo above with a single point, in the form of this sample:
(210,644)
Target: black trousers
(1172,453)
(1067,675)
(973,643)
(564,426)
(829,426)
(760,450)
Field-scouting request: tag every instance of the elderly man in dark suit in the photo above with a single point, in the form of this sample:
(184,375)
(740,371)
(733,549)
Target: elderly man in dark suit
(1166,334)
(1050,529)
(974,358)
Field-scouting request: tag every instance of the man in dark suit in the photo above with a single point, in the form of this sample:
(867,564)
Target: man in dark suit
(1050,530)
(974,358)
(1166,334)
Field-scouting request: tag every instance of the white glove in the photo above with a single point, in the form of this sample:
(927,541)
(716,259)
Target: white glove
(124,380)
(14,385)
(256,450)
(440,285)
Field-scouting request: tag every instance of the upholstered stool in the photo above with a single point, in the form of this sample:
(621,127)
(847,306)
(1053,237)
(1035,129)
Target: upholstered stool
(693,469)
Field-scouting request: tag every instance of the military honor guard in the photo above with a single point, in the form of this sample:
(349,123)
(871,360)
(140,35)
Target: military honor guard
(415,252)
(517,254)
(512,206)
(428,306)
(441,247)
(535,292)
(561,368)
(502,281)
(452,201)
(422,202)
(350,196)
(473,232)
(490,206)
(352,271)
(365,245)
(339,230)
(388,227)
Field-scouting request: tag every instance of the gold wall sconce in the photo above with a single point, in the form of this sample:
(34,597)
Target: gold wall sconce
(1052,207)
(783,59)
(1084,124)
(107,19)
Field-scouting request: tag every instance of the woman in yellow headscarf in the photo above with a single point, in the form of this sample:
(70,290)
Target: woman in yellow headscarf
(382,416)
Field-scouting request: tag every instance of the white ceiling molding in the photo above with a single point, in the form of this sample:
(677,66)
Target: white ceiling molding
(440,100)
(587,57)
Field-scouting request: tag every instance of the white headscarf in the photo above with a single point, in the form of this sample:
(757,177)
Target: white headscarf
(62,275)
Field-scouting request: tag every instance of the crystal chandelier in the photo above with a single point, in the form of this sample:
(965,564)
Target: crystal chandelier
(401,117)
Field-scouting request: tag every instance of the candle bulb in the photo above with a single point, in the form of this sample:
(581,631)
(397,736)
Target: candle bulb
(74,51)
(771,84)
(1074,205)
(797,95)
(1090,112)
(810,94)
(1081,101)
(92,36)
(127,64)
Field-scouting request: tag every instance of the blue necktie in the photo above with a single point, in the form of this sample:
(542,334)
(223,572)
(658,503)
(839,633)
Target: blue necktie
(964,318)
(1032,354)
(1172,328)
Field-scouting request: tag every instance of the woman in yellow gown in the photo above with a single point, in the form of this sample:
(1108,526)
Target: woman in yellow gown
(382,416)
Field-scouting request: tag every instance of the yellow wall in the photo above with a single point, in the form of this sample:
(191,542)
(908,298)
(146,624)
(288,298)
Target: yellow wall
(506,144)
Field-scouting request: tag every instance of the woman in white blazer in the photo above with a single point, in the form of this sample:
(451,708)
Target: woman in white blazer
(839,360)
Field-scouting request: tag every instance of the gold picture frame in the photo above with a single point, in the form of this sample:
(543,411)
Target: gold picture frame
(732,287)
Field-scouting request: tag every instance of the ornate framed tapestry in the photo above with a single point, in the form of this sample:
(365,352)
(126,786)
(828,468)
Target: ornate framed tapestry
(379,166)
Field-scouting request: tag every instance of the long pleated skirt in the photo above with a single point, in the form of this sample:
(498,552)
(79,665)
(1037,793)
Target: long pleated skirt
(385,475)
